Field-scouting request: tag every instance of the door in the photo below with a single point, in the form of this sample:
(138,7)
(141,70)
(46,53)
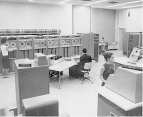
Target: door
(125,43)
(121,37)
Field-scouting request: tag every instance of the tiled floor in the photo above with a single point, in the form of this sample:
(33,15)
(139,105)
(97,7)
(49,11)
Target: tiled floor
(79,100)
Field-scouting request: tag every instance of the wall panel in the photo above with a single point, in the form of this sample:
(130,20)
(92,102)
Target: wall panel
(134,20)
(103,23)
(81,19)
(35,16)
(122,18)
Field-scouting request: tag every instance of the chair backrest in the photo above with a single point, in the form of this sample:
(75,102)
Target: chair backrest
(88,65)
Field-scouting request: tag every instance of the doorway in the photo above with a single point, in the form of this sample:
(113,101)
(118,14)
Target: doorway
(121,37)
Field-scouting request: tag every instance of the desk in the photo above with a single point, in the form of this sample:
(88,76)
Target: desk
(101,44)
(61,67)
(49,58)
(50,55)
(75,58)
(119,61)
(115,102)
(112,46)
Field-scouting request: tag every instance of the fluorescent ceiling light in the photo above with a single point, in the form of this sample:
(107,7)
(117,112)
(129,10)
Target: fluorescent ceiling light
(124,3)
(94,2)
(30,0)
(132,6)
(63,1)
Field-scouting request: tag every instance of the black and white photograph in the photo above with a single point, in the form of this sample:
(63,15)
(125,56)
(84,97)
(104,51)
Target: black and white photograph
(71,58)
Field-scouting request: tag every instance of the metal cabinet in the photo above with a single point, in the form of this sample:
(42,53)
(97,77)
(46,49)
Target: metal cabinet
(90,41)
(108,108)
(30,81)
(135,39)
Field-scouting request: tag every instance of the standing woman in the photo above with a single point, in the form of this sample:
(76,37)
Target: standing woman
(108,67)
(5,57)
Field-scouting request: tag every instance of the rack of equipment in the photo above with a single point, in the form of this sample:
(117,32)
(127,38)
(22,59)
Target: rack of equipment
(24,46)
(8,32)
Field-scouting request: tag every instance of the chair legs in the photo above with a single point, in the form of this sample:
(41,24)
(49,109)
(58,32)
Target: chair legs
(86,78)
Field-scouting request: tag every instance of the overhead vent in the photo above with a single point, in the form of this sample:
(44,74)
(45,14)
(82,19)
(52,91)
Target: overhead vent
(86,0)
(112,2)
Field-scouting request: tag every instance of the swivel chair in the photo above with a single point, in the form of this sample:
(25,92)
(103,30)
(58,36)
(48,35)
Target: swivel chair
(87,67)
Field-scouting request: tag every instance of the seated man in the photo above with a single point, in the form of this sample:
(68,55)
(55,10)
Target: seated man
(75,71)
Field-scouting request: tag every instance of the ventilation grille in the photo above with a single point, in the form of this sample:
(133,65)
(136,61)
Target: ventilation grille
(112,2)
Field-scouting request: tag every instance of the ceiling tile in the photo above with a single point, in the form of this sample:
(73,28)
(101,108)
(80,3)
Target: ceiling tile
(81,2)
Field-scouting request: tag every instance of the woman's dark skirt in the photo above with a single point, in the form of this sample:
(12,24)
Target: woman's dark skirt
(5,62)
(75,71)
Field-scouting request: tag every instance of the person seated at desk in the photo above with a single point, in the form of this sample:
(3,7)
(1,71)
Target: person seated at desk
(75,71)
(107,68)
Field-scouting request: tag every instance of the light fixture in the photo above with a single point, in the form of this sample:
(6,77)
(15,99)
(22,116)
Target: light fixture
(30,0)
(132,6)
(124,3)
(94,2)
(64,1)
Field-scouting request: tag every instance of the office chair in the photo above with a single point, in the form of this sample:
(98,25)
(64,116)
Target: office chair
(87,67)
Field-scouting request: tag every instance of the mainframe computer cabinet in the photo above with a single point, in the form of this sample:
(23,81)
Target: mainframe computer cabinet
(125,43)
(130,41)
(135,39)
(96,46)
(30,81)
(90,41)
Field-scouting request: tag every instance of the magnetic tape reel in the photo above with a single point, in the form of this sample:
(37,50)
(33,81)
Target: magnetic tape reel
(54,42)
(42,43)
(21,44)
(74,41)
(67,42)
(12,44)
(63,42)
(28,43)
(78,41)
(50,43)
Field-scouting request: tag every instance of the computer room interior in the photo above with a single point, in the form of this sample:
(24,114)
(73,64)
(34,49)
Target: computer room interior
(76,98)
(112,24)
